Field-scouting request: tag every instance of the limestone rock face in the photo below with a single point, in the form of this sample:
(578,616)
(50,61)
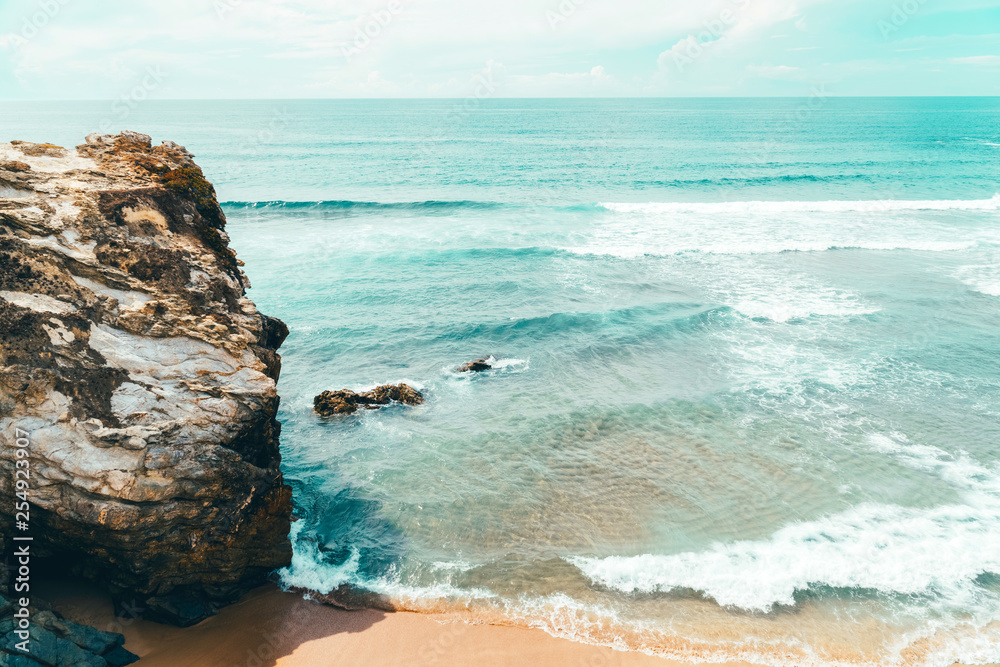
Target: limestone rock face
(142,374)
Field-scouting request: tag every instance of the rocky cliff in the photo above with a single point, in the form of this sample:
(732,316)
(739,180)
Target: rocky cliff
(141,374)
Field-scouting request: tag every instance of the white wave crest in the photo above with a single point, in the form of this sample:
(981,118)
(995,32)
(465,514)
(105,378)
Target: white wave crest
(506,363)
(783,305)
(760,248)
(416,384)
(872,206)
(935,552)
(983,278)
(310,570)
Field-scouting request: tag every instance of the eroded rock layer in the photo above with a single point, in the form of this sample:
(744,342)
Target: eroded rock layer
(142,374)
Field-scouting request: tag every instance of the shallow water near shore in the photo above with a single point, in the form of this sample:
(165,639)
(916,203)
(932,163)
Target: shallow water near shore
(784,457)
(747,362)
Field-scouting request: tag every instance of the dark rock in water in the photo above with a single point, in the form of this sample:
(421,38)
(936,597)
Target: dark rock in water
(342,402)
(142,377)
(401,393)
(345,401)
(475,366)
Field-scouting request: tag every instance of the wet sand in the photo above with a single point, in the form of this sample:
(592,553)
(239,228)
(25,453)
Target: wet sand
(271,628)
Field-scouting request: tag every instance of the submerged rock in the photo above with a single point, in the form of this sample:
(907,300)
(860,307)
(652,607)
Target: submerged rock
(345,401)
(475,366)
(140,375)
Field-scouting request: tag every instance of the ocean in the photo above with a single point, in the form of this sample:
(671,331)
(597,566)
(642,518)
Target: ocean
(745,401)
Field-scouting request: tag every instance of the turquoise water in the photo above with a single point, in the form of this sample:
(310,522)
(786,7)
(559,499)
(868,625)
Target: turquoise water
(748,360)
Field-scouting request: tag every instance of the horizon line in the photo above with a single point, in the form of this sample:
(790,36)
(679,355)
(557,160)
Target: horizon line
(487,99)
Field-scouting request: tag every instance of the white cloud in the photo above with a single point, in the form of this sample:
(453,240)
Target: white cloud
(982,61)
(777,72)
(595,82)
(295,48)
(680,55)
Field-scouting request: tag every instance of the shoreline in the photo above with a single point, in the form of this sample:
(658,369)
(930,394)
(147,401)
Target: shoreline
(271,628)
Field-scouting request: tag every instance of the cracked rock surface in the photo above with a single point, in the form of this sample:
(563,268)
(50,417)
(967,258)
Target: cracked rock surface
(142,373)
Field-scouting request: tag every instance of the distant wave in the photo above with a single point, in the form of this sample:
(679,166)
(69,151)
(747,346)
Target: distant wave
(623,326)
(446,206)
(345,205)
(982,141)
(757,180)
(870,206)
(785,310)
(637,251)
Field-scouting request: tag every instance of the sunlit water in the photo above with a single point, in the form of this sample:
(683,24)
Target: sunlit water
(745,402)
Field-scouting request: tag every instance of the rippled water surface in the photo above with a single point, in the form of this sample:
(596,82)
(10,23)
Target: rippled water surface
(745,398)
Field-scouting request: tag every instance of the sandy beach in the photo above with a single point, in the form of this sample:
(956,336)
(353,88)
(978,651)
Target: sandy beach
(271,628)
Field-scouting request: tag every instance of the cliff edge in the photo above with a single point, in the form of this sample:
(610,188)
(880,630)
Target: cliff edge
(139,377)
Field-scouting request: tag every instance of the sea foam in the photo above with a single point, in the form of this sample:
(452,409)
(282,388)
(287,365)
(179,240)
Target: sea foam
(933,554)
(983,278)
(633,231)
(834,206)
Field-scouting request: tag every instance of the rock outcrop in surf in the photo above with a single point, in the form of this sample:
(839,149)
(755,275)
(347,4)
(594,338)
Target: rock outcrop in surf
(476,366)
(139,377)
(345,401)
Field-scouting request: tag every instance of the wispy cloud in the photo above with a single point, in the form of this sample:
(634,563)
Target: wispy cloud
(777,72)
(351,48)
(982,61)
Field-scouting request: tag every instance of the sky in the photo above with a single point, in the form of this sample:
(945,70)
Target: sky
(191,49)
